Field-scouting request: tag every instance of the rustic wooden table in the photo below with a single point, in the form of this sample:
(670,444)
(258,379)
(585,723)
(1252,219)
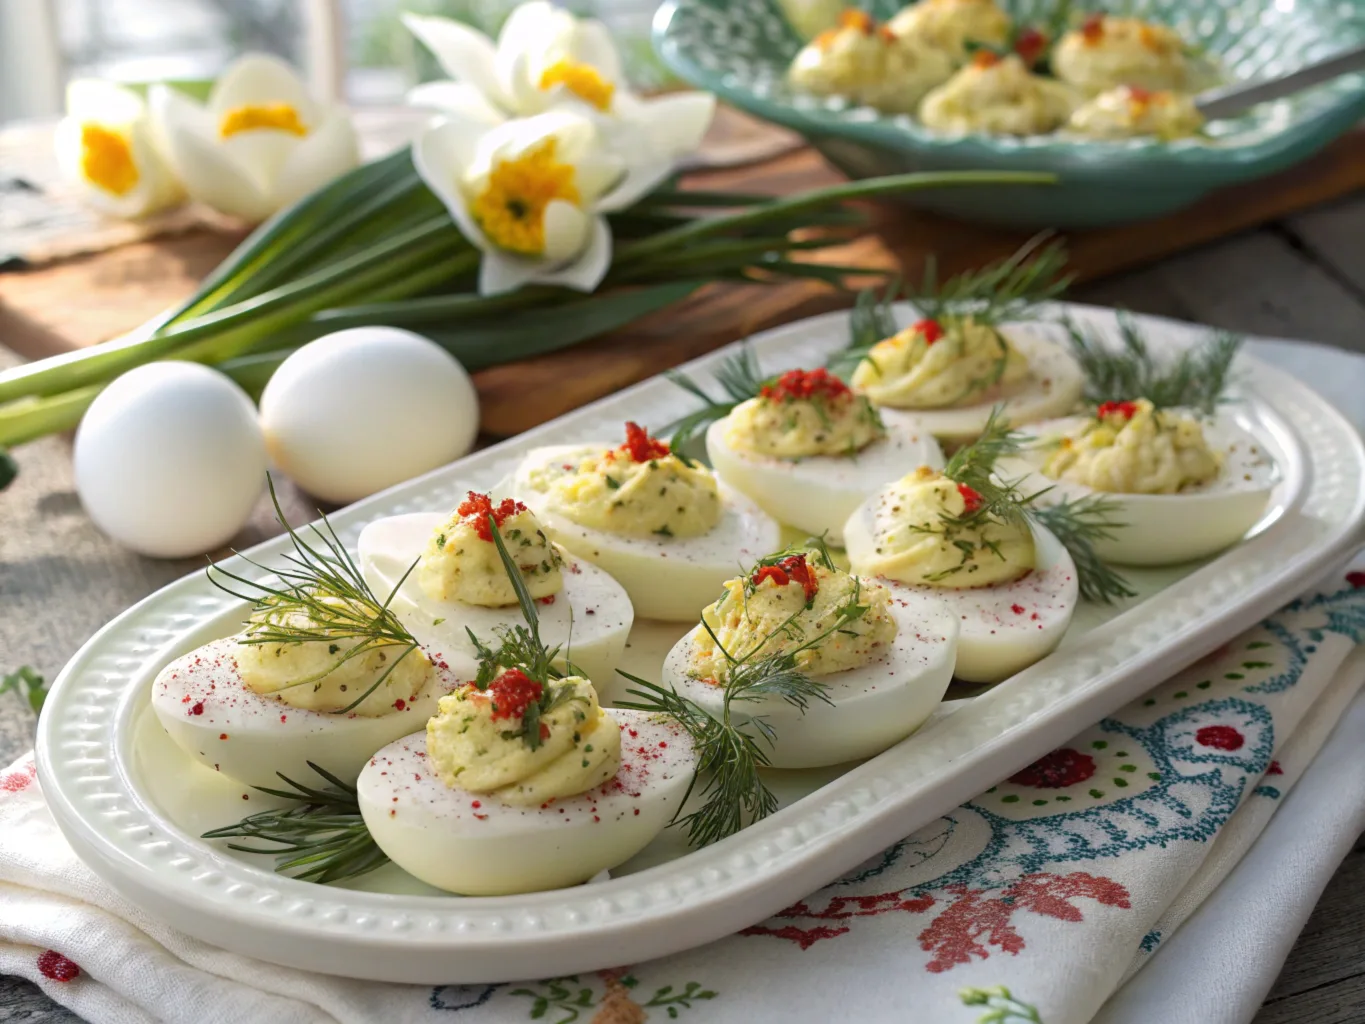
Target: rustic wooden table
(1304,277)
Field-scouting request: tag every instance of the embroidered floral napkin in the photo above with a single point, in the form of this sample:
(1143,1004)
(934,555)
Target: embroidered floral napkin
(1034,903)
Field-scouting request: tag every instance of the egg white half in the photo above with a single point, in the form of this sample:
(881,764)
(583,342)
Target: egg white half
(1166,529)
(589,619)
(478,846)
(1002,628)
(873,707)
(206,708)
(1052,388)
(668,578)
(817,494)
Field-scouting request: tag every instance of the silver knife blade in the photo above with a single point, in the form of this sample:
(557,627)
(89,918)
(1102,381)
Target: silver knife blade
(1234,99)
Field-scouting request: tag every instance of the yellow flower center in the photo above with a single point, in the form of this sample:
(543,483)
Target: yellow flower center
(583,80)
(280,116)
(107,159)
(511,207)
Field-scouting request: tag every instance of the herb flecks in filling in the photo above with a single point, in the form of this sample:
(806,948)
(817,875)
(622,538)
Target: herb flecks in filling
(639,489)
(460,562)
(796,604)
(804,413)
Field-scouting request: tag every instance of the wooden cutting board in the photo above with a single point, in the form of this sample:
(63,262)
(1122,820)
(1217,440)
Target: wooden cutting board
(82,300)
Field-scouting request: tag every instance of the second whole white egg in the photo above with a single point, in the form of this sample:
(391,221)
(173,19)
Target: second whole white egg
(169,459)
(366,408)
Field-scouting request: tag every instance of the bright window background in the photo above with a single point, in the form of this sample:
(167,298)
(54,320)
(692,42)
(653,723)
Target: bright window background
(189,40)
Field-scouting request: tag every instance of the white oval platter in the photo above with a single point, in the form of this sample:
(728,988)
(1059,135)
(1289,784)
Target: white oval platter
(133,806)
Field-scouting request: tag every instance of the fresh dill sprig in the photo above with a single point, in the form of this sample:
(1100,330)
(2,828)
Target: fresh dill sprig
(1008,289)
(1195,379)
(322,597)
(731,752)
(1076,524)
(522,648)
(740,379)
(320,838)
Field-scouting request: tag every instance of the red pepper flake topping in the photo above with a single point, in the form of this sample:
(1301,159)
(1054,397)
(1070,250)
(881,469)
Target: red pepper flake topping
(861,20)
(475,804)
(548,599)
(479,507)
(1018,609)
(640,446)
(805,385)
(544,731)
(932,330)
(1030,44)
(1092,29)
(1138,94)
(512,693)
(985,59)
(222,735)
(1125,409)
(400,704)
(792,569)
(971,498)
(198,708)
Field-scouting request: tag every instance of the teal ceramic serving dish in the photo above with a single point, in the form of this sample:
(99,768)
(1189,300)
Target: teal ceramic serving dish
(740,50)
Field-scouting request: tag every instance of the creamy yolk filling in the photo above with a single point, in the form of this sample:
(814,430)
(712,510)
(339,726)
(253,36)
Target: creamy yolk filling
(107,159)
(510,205)
(781,606)
(323,675)
(804,413)
(583,80)
(930,530)
(639,489)
(938,364)
(477,741)
(277,116)
(461,563)
(1134,448)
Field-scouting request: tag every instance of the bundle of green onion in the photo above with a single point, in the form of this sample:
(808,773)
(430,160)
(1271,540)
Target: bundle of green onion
(377,247)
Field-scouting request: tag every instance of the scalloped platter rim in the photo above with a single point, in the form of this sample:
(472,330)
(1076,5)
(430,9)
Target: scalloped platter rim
(132,808)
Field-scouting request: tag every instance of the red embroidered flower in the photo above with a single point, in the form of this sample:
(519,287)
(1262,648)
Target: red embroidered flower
(57,967)
(20,778)
(1057,770)
(1220,737)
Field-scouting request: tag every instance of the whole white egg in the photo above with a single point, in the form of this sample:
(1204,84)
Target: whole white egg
(169,459)
(362,409)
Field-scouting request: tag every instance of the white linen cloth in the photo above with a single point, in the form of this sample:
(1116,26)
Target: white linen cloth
(1032,904)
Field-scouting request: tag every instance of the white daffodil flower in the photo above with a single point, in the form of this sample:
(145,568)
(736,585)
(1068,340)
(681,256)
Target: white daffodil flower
(531,194)
(545,58)
(260,142)
(107,149)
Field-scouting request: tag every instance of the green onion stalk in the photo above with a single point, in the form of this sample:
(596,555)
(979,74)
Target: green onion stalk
(375,246)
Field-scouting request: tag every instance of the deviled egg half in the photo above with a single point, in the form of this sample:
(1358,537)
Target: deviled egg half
(1009,582)
(1184,487)
(255,707)
(661,525)
(808,450)
(998,95)
(521,784)
(885,657)
(953,26)
(458,584)
(952,372)
(870,65)
(1129,110)
(1107,51)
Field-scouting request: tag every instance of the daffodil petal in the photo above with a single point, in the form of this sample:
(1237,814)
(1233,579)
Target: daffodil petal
(259,79)
(566,231)
(465,54)
(520,84)
(639,180)
(593,44)
(598,174)
(532,26)
(586,272)
(574,134)
(458,98)
(501,272)
(327,152)
(211,176)
(677,123)
(442,155)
